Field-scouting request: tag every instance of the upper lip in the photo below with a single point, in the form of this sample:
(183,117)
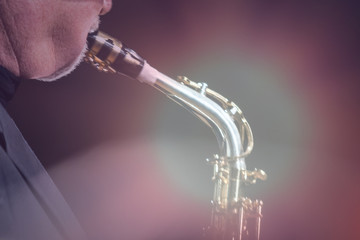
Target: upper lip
(107,4)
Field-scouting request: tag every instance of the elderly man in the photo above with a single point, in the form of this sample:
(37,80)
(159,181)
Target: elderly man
(42,39)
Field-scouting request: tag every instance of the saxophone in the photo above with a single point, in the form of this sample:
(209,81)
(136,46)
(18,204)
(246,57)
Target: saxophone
(234,216)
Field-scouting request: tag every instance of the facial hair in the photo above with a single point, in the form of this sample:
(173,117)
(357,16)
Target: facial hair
(62,72)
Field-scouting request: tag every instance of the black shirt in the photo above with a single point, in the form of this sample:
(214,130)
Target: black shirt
(31,206)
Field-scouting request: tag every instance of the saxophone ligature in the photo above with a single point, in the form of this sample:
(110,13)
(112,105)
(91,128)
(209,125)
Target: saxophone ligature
(234,216)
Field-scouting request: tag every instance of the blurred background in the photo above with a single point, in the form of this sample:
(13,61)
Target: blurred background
(131,163)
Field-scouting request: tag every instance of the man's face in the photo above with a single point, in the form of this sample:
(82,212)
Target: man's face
(52,32)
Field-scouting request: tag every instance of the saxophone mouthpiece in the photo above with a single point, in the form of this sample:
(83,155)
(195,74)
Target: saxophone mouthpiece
(108,54)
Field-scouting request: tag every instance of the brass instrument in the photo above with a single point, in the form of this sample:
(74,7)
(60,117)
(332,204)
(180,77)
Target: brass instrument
(234,216)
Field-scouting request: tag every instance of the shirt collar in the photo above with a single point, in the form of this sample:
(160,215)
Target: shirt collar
(8,85)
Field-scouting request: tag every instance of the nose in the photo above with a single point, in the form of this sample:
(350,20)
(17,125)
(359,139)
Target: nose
(107,4)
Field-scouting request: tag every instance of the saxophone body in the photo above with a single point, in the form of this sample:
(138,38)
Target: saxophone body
(234,216)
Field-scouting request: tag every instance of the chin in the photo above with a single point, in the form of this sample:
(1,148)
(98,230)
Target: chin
(67,69)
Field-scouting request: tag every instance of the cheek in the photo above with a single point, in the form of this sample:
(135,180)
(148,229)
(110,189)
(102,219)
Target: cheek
(77,18)
(71,29)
